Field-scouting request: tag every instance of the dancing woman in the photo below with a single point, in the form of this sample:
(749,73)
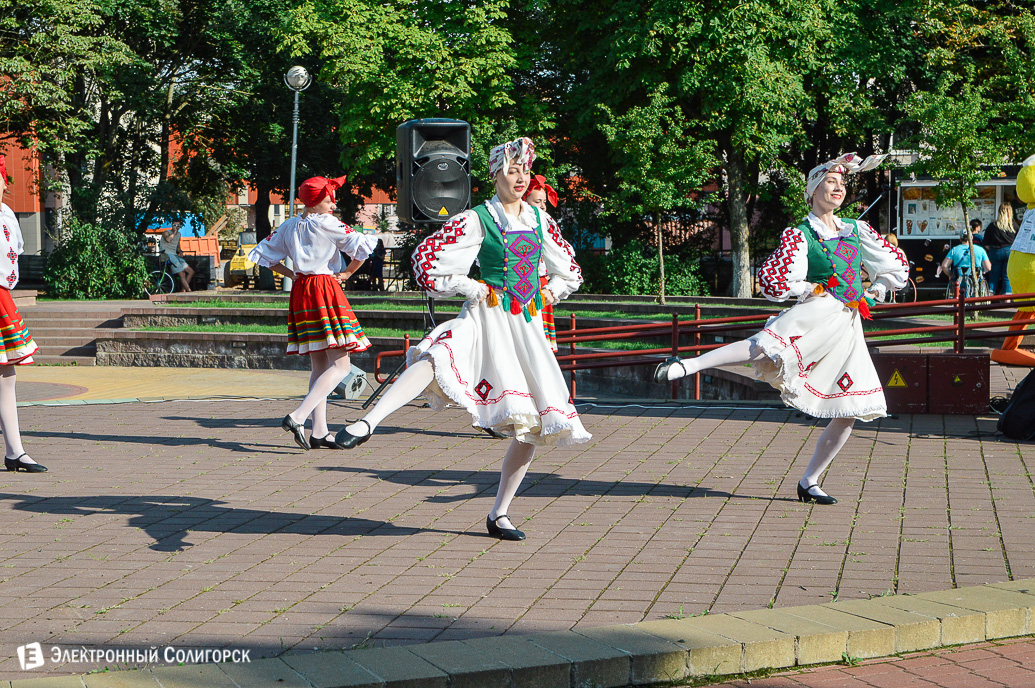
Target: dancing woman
(17,347)
(814,352)
(493,359)
(321,323)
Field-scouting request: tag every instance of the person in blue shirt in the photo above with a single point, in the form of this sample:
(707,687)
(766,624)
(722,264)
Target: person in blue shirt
(957,262)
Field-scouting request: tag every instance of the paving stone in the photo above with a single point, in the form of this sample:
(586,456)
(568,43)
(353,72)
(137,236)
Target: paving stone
(710,654)
(1023,585)
(913,632)
(764,648)
(192,676)
(467,668)
(397,667)
(958,625)
(49,682)
(140,678)
(866,638)
(263,671)
(1007,613)
(331,670)
(652,659)
(531,666)
(815,643)
(593,663)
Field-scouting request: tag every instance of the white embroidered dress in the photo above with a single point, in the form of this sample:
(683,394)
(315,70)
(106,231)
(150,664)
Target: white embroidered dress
(815,353)
(493,362)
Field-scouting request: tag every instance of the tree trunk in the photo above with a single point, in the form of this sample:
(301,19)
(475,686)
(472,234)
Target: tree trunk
(262,211)
(736,202)
(661,260)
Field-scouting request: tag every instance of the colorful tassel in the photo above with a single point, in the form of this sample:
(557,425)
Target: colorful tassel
(818,289)
(832,282)
(492,300)
(515,306)
(532,312)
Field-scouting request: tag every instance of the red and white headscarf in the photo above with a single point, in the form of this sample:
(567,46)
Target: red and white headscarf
(521,150)
(849,163)
(539,182)
(315,189)
(3,167)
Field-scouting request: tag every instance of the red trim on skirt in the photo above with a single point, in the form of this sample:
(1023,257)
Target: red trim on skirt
(320,317)
(17,347)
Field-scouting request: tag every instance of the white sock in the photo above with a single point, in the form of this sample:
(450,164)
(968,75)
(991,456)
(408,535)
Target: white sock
(736,353)
(412,382)
(830,442)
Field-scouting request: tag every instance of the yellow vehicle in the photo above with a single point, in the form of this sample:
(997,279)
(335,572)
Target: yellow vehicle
(238,269)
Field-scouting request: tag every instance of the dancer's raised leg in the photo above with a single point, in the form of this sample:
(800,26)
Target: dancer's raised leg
(830,442)
(744,351)
(414,380)
(515,465)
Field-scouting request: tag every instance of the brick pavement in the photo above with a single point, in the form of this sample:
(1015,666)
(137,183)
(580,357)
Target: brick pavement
(197,523)
(1009,663)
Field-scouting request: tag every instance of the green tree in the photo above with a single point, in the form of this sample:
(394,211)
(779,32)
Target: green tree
(661,165)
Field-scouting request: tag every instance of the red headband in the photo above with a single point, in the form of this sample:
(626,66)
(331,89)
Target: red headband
(3,167)
(314,190)
(539,182)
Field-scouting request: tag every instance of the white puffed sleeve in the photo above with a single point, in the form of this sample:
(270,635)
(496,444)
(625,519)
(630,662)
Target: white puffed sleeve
(274,248)
(441,262)
(565,275)
(885,264)
(782,275)
(355,245)
(11,246)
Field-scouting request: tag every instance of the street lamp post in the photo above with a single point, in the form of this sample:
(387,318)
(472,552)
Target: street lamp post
(298,80)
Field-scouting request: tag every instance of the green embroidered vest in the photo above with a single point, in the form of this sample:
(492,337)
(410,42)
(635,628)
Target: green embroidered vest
(843,252)
(510,262)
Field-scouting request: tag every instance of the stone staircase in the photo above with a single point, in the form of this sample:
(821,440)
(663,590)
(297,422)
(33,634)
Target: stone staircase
(66,331)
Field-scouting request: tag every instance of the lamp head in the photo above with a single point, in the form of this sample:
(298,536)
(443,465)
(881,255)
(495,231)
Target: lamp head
(297,78)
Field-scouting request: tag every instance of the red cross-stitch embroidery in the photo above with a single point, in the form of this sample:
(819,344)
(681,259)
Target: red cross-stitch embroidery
(555,234)
(424,257)
(772,277)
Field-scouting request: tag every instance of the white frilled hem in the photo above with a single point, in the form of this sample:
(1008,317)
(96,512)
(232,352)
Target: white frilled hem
(501,369)
(815,355)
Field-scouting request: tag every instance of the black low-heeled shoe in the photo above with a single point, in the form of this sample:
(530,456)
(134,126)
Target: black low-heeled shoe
(502,533)
(346,440)
(297,430)
(661,372)
(323,443)
(16,464)
(805,496)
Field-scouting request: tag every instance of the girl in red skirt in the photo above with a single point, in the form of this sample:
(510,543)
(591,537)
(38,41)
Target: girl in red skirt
(537,194)
(18,347)
(321,323)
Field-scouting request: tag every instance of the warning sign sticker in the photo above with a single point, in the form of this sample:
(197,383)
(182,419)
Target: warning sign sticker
(443,211)
(896,380)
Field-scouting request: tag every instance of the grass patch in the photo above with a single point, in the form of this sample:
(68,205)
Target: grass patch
(266,329)
(219,303)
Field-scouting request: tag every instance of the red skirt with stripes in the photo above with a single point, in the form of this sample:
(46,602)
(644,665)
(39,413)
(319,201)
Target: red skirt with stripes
(18,346)
(548,325)
(320,317)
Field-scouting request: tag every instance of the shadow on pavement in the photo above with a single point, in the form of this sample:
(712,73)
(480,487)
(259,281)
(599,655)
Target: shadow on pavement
(165,440)
(193,513)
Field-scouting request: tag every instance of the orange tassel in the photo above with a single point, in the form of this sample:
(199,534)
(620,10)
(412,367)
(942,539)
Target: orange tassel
(531,308)
(818,289)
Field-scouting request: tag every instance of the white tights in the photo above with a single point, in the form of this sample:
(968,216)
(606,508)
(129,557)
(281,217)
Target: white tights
(330,366)
(830,442)
(414,380)
(9,416)
(736,353)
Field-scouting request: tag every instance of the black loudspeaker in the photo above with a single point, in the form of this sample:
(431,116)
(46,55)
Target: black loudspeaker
(432,169)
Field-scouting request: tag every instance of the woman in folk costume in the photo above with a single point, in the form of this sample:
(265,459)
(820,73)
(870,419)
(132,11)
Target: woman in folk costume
(18,347)
(321,323)
(537,194)
(493,359)
(814,352)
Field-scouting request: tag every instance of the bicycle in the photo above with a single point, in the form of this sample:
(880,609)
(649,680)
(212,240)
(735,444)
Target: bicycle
(160,281)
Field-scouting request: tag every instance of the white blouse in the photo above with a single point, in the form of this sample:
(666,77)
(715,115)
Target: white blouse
(782,276)
(11,246)
(441,262)
(314,244)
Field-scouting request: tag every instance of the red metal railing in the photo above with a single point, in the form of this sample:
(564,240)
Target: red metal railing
(680,330)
